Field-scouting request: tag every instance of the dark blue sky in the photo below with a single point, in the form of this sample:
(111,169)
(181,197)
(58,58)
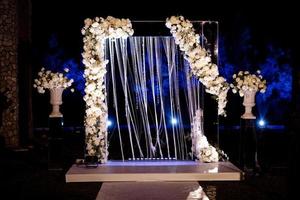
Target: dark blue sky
(276,21)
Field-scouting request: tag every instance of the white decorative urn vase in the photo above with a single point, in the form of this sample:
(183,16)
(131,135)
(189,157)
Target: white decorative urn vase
(249,102)
(56,101)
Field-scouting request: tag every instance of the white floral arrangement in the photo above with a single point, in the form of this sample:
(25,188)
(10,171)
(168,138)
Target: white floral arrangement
(209,154)
(199,59)
(95,32)
(198,194)
(203,151)
(49,80)
(244,81)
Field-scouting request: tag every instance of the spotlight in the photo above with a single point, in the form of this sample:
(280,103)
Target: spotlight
(261,123)
(173,121)
(109,123)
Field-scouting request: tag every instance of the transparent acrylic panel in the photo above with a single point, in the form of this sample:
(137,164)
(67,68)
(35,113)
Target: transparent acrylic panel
(152,96)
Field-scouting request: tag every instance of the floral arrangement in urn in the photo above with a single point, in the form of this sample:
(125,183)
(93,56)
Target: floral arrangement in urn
(244,81)
(247,85)
(55,83)
(50,80)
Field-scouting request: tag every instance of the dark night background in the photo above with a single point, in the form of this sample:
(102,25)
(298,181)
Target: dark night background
(253,35)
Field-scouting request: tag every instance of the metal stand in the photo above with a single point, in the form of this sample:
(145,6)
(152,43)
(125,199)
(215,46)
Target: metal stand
(55,143)
(248,146)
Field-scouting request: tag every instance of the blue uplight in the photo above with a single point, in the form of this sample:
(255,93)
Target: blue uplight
(109,123)
(174,121)
(261,123)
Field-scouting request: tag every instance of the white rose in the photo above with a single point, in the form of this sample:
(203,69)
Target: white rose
(91,152)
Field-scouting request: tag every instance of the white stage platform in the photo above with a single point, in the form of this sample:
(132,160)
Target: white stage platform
(143,171)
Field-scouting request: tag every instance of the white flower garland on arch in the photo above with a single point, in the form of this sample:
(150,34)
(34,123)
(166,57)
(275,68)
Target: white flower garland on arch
(95,32)
(199,59)
(201,148)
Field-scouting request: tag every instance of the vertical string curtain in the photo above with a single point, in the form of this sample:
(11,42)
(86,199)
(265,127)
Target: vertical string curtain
(152,98)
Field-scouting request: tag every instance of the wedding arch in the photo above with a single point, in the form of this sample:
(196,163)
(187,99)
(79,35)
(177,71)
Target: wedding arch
(95,32)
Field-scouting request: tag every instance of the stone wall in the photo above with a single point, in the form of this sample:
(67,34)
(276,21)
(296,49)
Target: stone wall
(8,71)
